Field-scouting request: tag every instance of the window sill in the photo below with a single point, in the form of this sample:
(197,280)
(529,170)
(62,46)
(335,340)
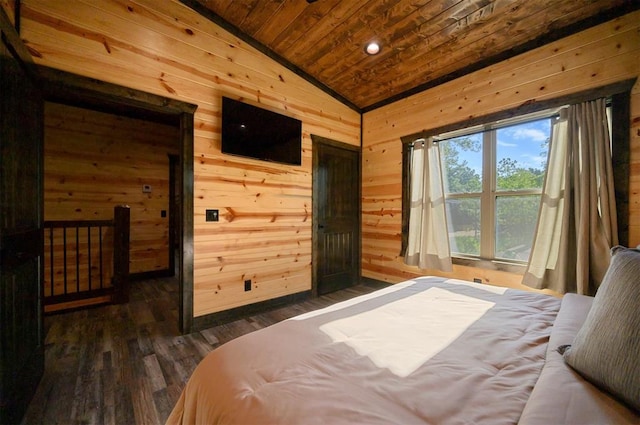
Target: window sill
(481,263)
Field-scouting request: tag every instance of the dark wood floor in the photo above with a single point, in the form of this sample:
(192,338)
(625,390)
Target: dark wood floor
(127,364)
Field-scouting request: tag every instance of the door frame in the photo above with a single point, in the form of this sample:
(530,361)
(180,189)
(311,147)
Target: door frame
(316,141)
(174,212)
(75,90)
(24,245)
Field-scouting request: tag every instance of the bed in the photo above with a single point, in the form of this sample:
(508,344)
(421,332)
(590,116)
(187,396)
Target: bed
(428,350)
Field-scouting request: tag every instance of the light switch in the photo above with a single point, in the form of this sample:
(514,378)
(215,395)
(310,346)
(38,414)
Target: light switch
(212,215)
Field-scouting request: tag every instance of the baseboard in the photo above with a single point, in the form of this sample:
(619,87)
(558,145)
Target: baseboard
(374,283)
(222,317)
(154,274)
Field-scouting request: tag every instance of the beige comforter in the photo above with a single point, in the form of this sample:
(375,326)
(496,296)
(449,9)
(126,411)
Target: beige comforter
(428,350)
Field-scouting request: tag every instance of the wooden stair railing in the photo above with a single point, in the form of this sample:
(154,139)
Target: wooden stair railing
(86,261)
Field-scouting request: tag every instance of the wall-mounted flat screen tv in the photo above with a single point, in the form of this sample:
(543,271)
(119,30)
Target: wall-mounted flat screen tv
(257,133)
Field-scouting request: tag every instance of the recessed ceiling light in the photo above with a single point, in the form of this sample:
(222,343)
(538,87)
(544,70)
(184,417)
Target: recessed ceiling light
(372,48)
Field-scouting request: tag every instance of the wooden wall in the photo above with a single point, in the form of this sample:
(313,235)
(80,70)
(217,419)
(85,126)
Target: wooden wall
(595,57)
(165,48)
(9,7)
(265,229)
(95,161)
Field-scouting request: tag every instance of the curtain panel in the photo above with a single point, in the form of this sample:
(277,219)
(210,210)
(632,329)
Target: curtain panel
(428,236)
(577,223)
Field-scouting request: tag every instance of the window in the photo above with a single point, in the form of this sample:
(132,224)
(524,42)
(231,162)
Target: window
(489,231)
(493,179)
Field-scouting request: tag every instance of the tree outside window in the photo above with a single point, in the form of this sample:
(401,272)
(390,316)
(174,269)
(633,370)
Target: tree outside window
(493,181)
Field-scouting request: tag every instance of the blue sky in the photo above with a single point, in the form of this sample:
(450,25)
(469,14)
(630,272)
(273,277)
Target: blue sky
(522,142)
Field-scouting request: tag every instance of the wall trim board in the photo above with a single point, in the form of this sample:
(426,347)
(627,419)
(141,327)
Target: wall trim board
(64,87)
(226,316)
(16,12)
(523,48)
(550,37)
(621,153)
(335,143)
(527,108)
(75,90)
(226,25)
(154,274)
(15,43)
(185,244)
(374,283)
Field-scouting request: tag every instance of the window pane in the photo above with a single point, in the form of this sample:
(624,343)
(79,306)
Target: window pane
(462,164)
(521,155)
(463,219)
(516,218)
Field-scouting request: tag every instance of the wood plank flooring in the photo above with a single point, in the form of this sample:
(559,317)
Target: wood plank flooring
(127,364)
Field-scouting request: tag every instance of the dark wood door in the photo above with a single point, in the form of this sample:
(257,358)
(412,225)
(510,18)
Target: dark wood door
(21,243)
(336,213)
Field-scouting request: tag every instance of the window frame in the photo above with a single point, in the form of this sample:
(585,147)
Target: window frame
(620,94)
(490,193)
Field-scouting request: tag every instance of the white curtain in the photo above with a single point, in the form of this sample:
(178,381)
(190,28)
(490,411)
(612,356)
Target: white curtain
(577,223)
(428,238)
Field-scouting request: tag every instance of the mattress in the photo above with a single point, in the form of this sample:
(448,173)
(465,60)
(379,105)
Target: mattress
(561,395)
(429,350)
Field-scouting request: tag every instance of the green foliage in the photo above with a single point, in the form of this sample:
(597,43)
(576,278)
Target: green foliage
(464,215)
(512,176)
(516,216)
(460,177)
(467,244)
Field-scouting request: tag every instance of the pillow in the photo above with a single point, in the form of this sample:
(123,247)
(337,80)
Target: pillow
(606,349)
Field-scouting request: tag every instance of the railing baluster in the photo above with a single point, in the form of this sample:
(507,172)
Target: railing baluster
(118,292)
(77,259)
(64,247)
(100,234)
(51,256)
(89,251)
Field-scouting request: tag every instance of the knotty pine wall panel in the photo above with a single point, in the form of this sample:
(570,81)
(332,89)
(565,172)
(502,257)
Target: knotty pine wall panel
(165,48)
(601,55)
(95,161)
(9,8)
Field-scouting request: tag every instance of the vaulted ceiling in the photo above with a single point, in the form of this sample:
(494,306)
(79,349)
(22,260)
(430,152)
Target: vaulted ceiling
(423,42)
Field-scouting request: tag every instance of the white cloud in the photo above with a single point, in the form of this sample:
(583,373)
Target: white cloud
(507,145)
(530,134)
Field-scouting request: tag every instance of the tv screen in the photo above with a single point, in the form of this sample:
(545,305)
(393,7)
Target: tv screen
(257,133)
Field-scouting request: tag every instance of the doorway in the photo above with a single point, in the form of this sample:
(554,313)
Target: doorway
(83,92)
(336,215)
(93,162)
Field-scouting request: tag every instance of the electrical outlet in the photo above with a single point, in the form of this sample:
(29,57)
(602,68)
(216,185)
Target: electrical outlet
(247,285)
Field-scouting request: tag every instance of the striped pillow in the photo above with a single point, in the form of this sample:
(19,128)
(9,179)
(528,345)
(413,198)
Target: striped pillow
(606,349)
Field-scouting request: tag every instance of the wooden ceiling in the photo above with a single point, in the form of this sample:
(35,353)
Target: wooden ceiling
(424,42)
